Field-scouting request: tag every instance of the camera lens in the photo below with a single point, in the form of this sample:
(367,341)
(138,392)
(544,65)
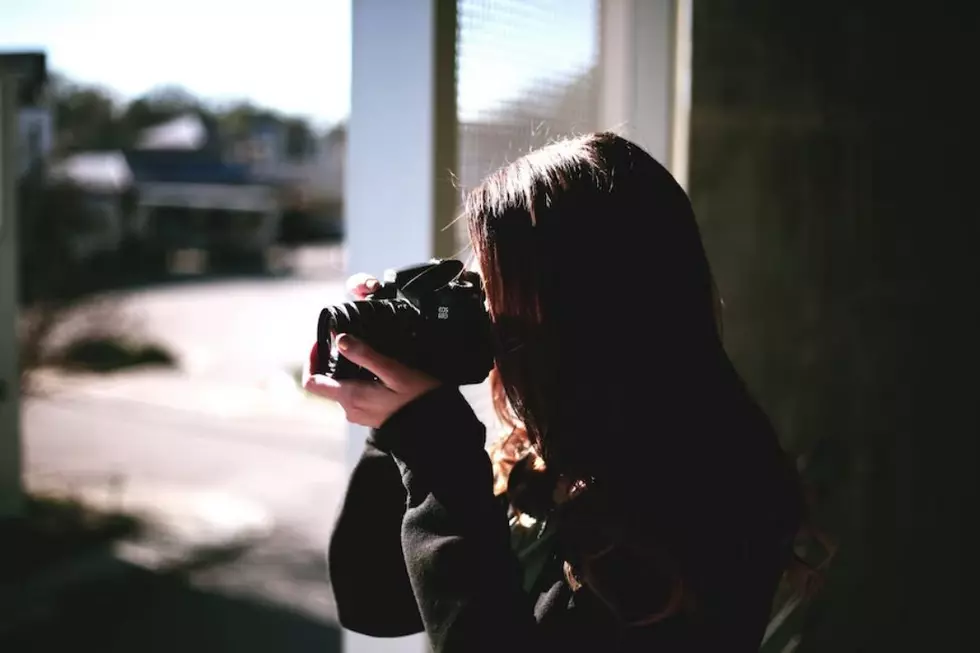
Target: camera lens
(388,326)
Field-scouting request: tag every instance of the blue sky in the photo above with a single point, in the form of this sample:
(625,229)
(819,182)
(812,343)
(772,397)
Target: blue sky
(291,55)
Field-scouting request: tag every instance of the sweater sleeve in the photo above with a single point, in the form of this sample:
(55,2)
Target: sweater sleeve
(367,568)
(455,538)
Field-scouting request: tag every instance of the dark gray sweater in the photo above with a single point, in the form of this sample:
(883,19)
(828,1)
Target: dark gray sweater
(422,543)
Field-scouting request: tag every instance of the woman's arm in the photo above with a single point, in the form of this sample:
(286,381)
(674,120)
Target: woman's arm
(455,537)
(367,568)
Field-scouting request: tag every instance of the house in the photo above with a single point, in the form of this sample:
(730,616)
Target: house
(35,126)
(186,190)
(314,192)
(105,182)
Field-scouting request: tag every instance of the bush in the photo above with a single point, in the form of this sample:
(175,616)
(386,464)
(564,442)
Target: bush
(106,354)
(58,279)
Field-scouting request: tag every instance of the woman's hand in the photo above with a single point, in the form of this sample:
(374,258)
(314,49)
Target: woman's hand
(365,402)
(362,285)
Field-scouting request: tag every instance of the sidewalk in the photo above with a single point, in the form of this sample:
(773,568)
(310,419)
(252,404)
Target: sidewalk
(274,394)
(183,529)
(267,394)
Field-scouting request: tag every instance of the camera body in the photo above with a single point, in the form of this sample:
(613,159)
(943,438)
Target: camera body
(430,317)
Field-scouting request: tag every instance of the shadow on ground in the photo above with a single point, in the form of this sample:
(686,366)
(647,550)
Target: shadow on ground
(146,612)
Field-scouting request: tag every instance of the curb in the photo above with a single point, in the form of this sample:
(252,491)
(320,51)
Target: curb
(275,396)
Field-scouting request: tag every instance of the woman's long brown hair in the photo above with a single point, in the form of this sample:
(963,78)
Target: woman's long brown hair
(611,377)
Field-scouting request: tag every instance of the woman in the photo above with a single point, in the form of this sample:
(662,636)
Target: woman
(668,505)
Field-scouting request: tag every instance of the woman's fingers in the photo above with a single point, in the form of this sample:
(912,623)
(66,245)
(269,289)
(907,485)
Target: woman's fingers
(361,285)
(365,402)
(323,386)
(391,373)
(311,364)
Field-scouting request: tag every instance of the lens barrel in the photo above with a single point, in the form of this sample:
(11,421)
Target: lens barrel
(387,325)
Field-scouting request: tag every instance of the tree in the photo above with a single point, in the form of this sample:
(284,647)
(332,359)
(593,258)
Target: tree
(90,118)
(51,215)
(300,138)
(52,278)
(172,100)
(84,116)
(239,120)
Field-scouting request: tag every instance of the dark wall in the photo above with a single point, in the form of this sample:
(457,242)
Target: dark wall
(833,173)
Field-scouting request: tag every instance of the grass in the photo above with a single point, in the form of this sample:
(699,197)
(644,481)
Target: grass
(107,354)
(52,530)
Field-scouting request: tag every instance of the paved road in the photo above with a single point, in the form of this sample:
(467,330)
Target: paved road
(229,422)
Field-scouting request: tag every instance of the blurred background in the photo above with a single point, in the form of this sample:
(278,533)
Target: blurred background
(187,183)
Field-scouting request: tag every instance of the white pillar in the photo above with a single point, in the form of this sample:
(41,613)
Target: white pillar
(401,152)
(645,76)
(11,498)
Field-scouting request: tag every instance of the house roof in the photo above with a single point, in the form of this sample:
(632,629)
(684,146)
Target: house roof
(100,171)
(186,132)
(186,166)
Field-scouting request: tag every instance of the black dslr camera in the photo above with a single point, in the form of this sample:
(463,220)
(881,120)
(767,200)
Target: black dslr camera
(430,317)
